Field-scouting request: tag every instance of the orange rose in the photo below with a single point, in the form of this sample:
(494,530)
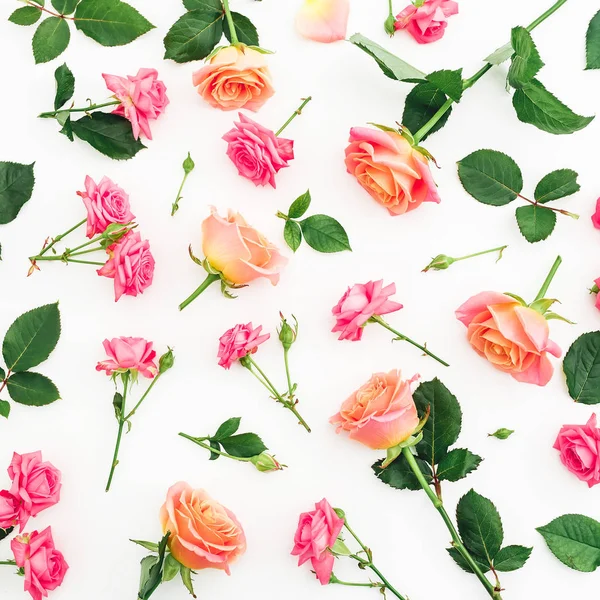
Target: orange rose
(204,534)
(236,77)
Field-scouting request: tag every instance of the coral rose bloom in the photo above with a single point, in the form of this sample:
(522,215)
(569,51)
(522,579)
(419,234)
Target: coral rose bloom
(514,338)
(235,78)
(390,169)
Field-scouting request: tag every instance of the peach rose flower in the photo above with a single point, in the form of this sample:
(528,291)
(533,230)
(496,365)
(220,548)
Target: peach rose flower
(390,169)
(513,337)
(323,20)
(236,77)
(381,414)
(204,534)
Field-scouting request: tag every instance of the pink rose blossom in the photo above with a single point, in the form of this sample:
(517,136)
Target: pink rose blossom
(131,265)
(257,152)
(359,304)
(427,22)
(597,284)
(317,532)
(579,447)
(44,566)
(596,215)
(239,341)
(35,484)
(128,354)
(143,98)
(9,510)
(106,203)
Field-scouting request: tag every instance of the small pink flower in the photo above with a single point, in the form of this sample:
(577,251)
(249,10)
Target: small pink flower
(131,265)
(597,283)
(35,484)
(323,20)
(317,532)
(143,98)
(427,22)
(361,302)
(9,510)
(596,215)
(44,566)
(579,447)
(257,152)
(239,341)
(128,354)
(106,203)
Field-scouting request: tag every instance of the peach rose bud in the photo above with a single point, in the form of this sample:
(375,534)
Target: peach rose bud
(323,20)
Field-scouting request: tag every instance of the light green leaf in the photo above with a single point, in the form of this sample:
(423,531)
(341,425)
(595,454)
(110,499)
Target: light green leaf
(582,368)
(65,86)
(502,433)
(399,475)
(194,35)
(32,389)
(555,185)
(170,568)
(299,206)
(243,445)
(27,15)
(535,222)
(65,7)
(4,409)
(526,61)
(16,187)
(500,55)
(511,558)
(152,546)
(449,82)
(592,43)
(422,102)
(50,39)
(458,463)
(244,29)
(325,234)
(227,429)
(292,234)
(186,578)
(340,548)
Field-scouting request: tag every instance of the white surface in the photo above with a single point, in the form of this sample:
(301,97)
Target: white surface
(523,475)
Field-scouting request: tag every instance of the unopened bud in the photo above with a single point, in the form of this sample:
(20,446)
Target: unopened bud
(439,263)
(389,25)
(188,164)
(287,333)
(166,361)
(266,463)
(115,231)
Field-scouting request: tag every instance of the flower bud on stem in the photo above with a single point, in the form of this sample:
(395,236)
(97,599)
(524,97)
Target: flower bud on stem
(442,261)
(188,167)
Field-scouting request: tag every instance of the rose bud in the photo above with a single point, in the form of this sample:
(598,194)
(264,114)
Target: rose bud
(440,262)
(166,361)
(266,463)
(287,333)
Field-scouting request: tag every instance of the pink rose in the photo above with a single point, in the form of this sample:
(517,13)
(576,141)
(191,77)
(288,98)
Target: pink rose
(257,152)
(596,215)
(131,265)
(427,22)
(35,484)
(381,414)
(44,566)
(512,337)
(129,354)
(579,447)
(9,510)
(323,20)
(361,302)
(143,98)
(596,290)
(239,341)
(317,532)
(106,203)
(393,172)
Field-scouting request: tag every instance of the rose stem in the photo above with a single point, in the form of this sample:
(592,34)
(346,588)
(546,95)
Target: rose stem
(391,11)
(175,205)
(334,579)
(207,447)
(297,112)
(143,396)
(548,281)
(122,419)
(456,541)
(287,373)
(210,278)
(230,24)
(499,249)
(60,237)
(11,563)
(51,114)
(402,337)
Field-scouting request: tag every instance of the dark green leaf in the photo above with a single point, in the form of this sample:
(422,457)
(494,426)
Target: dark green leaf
(4,409)
(32,389)
(4,533)
(325,234)
(555,185)
(479,525)
(65,7)
(27,15)
(67,129)
(535,222)
(244,29)
(16,187)
(582,368)
(194,35)
(464,565)
(227,429)
(423,101)
(65,86)
(215,446)
(118,405)
(299,206)
(526,61)
(445,418)
(31,338)
(170,568)
(502,433)
(292,234)
(186,578)
(243,445)
(458,463)
(491,177)
(592,43)
(50,39)
(399,475)
(511,558)
(2,374)
(110,22)
(537,106)
(152,570)
(152,546)
(206,5)
(449,82)
(109,134)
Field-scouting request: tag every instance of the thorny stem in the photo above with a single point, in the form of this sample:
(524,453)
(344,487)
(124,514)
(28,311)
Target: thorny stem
(207,447)
(122,420)
(144,395)
(549,278)
(51,114)
(543,206)
(60,237)
(297,112)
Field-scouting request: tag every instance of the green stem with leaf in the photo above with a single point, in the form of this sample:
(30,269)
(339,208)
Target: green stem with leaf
(544,207)
(56,239)
(200,442)
(210,279)
(52,114)
(297,112)
(50,12)
(549,278)
(144,396)
(115,460)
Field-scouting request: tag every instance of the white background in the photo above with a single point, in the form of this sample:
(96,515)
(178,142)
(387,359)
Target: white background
(522,475)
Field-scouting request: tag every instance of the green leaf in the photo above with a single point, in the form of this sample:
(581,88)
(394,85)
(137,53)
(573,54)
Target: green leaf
(118,405)
(194,35)
(535,222)
(27,15)
(574,540)
(244,445)
(32,389)
(65,7)
(449,82)
(592,43)
(31,338)
(491,177)
(339,547)
(170,568)
(582,368)
(207,5)
(2,375)
(537,106)
(392,66)
(152,569)
(65,86)
(244,29)
(67,128)
(502,433)
(215,446)
(110,22)
(464,565)
(4,533)
(4,409)
(500,54)
(325,234)
(526,61)
(227,429)
(153,547)
(479,525)
(292,234)
(399,475)
(555,185)
(109,134)
(16,187)
(443,425)
(511,558)
(423,101)
(50,39)
(186,578)
(458,463)
(299,206)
